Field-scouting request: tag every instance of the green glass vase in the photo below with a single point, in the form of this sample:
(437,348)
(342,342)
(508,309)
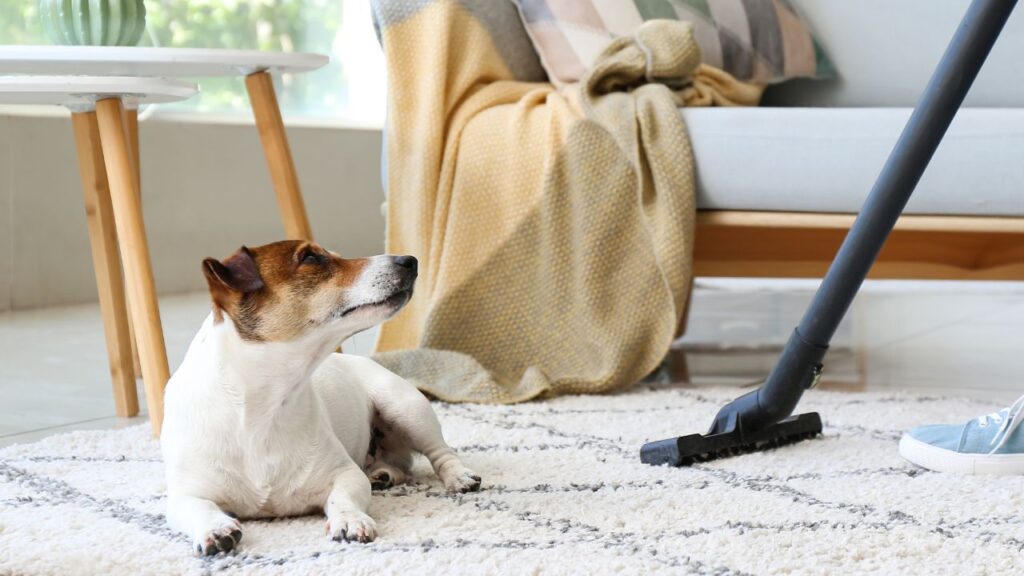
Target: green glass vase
(93,22)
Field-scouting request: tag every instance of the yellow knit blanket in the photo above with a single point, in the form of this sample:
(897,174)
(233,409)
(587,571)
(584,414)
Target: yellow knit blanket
(554,227)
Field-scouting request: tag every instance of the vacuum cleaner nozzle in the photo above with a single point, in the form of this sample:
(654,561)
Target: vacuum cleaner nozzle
(758,420)
(695,448)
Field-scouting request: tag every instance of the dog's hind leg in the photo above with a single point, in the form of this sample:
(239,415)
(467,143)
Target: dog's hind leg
(384,475)
(391,462)
(411,421)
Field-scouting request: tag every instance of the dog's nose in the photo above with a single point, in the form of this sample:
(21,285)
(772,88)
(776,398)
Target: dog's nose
(408,262)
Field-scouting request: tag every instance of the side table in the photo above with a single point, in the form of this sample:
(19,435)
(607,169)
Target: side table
(117,232)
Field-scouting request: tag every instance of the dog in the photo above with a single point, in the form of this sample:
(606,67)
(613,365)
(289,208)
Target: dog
(264,419)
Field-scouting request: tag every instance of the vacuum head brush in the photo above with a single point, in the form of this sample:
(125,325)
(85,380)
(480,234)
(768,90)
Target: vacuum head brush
(759,420)
(695,448)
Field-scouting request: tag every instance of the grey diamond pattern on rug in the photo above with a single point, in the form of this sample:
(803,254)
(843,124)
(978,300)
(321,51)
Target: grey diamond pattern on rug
(564,493)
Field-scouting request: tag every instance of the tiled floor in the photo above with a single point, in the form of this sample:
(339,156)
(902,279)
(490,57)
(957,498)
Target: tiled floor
(936,337)
(53,366)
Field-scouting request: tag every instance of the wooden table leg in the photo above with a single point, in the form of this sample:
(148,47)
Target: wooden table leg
(106,261)
(131,124)
(131,128)
(270,126)
(131,232)
(279,156)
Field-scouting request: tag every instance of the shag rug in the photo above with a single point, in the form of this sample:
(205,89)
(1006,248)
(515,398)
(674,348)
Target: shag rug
(564,493)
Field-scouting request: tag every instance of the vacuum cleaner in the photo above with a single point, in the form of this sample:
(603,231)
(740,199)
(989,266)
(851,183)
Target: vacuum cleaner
(762,418)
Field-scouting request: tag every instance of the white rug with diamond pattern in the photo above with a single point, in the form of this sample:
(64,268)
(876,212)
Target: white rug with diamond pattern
(564,493)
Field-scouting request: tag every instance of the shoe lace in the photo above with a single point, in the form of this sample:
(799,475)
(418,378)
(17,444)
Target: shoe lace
(1008,418)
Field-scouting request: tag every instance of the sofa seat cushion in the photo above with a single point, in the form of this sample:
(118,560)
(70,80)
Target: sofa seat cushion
(826,160)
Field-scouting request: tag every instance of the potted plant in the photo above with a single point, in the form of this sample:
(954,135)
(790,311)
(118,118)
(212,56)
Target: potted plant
(93,22)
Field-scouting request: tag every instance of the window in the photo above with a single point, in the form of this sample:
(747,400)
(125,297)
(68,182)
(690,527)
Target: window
(351,88)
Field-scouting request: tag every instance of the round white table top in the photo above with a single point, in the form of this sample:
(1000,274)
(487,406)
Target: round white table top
(146,61)
(80,93)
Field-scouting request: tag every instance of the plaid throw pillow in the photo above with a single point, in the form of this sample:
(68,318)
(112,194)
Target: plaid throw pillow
(758,41)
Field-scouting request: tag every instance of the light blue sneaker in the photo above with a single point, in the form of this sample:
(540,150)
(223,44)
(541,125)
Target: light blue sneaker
(992,444)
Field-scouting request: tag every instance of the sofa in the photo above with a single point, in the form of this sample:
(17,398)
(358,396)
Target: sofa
(811,152)
(779,185)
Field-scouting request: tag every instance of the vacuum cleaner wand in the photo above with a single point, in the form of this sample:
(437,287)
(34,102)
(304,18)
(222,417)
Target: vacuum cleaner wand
(760,419)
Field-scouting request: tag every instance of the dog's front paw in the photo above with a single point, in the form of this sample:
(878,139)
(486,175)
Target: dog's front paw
(460,479)
(351,527)
(222,538)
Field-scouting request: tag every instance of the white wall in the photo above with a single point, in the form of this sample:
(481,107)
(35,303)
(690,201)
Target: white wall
(205,192)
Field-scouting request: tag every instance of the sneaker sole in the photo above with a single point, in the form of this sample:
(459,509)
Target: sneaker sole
(942,460)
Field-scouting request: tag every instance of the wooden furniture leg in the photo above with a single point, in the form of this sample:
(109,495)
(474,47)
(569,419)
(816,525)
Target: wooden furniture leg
(279,156)
(131,124)
(131,128)
(131,232)
(106,261)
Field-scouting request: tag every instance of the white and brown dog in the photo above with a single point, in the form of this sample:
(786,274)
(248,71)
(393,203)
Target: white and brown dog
(263,419)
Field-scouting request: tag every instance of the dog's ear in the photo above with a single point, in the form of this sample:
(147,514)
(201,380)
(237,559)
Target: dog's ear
(237,274)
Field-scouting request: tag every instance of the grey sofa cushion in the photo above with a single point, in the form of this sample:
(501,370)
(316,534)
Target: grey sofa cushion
(826,160)
(500,17)
(885,51)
